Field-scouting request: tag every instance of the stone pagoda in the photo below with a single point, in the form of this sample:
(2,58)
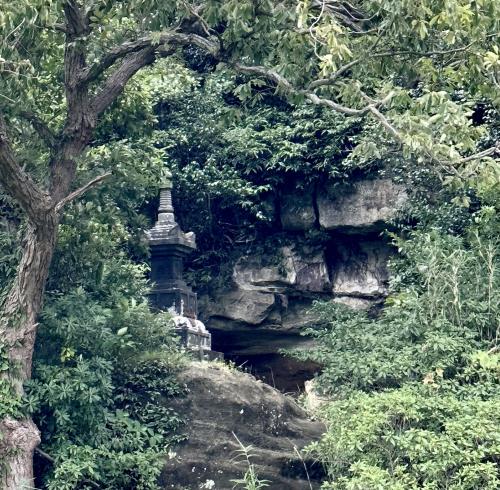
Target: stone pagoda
(169,245)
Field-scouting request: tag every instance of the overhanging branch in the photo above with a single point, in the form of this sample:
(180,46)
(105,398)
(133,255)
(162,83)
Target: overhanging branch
(166,38)
(371,108)
(115,83)
(282,82)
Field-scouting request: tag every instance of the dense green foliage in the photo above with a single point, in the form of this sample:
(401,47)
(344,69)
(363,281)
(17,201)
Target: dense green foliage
(421,80)
(231,171)
(417,390)
(105,365)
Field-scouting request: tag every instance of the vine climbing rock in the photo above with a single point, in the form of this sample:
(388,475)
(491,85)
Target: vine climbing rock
(223,403)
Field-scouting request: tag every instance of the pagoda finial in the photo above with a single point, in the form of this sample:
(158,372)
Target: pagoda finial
(166,231)
(166,209)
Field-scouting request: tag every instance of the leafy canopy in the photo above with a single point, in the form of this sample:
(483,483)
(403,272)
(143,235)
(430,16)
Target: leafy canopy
(417,68)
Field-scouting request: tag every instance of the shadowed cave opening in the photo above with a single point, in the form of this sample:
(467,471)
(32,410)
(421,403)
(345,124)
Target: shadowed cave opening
(258,354)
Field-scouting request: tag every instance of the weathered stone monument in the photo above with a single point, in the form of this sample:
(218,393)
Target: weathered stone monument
(169,246)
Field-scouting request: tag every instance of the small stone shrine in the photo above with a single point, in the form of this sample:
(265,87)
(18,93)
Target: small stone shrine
(169,245)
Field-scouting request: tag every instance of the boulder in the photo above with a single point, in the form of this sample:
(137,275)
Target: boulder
(364,207)
(359,269)
(238,305)
(223,403)
(303,270)
(280,328)
(297,210)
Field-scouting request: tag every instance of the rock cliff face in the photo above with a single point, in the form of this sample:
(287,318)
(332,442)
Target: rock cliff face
(267,303)
(364,207)
(221,404)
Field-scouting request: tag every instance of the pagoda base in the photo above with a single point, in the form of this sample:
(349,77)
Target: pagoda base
(196,338)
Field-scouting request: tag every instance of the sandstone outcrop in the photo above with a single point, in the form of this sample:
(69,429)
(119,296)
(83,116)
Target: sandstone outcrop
(302,269)
(363,207)
(267,304)
(359,269)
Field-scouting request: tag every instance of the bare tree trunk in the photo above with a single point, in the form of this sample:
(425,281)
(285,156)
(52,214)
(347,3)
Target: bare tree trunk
(19,437)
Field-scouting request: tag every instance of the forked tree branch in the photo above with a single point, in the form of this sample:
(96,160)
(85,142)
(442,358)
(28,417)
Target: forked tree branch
(77,23)
(17,183)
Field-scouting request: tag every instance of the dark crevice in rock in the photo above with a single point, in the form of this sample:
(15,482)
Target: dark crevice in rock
(259,354)
(284,373)
(315,206)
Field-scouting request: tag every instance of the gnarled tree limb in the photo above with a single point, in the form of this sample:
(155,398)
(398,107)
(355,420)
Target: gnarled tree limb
(115,83)
(17,183)
(92,72)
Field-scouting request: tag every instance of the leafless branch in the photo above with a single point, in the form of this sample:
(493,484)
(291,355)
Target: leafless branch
(41,128)
(282,82)
(332,78)
(80,191)
(485,153)
(385,123)
(194,11)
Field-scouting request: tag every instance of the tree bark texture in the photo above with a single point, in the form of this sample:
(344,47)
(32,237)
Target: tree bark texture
(19,440)
(19,437)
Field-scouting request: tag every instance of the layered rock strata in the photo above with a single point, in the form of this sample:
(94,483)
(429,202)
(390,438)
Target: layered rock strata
(268,302)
